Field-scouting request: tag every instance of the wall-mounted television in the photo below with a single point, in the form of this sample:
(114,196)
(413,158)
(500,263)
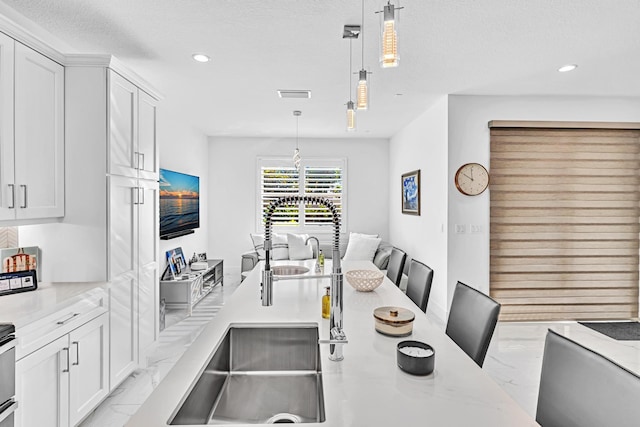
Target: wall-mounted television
(179,203)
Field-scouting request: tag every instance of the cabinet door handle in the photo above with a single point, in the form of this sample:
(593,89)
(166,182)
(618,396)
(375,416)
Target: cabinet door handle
(137,160)
(141,155)
(62,322)
(67,350)
(142,193)
(77,362)
(136,195)
(13,196)
(24,194)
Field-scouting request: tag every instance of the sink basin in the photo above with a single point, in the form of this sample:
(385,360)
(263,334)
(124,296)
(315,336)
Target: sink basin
(258,375)
(289,270)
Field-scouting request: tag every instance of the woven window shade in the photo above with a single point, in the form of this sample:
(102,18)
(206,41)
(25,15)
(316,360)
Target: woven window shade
(564,222)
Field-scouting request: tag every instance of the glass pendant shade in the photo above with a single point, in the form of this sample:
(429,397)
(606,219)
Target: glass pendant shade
(296,152)
(389,55)
(296,159)
(351,116)
(362,91)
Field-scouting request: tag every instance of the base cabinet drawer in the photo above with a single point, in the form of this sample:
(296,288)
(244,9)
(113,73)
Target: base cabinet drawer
(62,382)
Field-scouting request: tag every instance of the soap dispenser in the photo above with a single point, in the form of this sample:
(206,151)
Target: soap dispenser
(326,304)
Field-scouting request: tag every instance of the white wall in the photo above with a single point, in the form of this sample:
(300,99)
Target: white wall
(233,184)
(185,149)
(469,142)
(423,145)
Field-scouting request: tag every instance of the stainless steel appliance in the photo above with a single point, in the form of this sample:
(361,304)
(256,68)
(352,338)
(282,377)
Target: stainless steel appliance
(7,375)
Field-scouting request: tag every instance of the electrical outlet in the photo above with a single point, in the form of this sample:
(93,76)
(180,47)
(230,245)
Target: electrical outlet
(475,228)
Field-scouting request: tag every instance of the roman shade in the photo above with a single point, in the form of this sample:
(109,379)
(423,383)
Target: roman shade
(564,220)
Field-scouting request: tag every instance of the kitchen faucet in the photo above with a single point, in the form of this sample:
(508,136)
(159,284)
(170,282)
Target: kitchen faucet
(318,269)
(337,338)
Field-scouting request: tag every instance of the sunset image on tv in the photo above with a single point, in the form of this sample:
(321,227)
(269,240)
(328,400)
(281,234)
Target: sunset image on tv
(179,202)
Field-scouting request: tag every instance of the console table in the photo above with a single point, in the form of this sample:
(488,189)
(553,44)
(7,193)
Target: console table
(192,286)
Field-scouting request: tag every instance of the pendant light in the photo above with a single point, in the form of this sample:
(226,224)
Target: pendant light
(351,112)
(362,91)
(389,56)
(296,153)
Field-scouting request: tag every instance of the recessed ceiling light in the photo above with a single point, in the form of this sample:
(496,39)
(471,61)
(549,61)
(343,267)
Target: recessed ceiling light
(200,57)
(568,67)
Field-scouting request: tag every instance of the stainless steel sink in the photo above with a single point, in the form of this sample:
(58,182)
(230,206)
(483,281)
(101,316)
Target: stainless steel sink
(259,375)
(289,270)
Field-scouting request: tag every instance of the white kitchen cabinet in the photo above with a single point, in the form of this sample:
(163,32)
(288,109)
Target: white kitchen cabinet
(62,382)
(123,274)
(132,130)
(89,379)
(39,135)
(7,186)
(42,386)
(133,271)
(32,133)
(148,155)
(148,264)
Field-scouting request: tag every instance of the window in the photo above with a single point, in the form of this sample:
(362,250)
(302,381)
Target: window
(317,177)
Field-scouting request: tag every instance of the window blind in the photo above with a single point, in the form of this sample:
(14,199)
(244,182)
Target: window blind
(564,223)
(317,177)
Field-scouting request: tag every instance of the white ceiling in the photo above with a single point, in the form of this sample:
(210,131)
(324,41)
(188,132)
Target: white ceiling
(259,46)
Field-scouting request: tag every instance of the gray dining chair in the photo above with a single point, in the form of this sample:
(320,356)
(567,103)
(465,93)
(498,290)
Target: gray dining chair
(472,320)
(582,388)
(396,265)
(419,284)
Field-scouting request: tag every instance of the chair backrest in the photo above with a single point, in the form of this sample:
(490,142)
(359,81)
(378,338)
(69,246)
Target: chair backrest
(419,284)
(472,320)
(581,388)
(396,265)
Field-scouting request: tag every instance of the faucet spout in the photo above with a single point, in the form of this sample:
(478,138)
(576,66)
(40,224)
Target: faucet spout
(337,337)
(318,270)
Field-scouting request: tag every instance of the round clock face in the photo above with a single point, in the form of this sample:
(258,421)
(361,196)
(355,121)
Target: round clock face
(472,179)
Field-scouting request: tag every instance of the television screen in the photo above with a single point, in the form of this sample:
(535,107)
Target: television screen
(179,202)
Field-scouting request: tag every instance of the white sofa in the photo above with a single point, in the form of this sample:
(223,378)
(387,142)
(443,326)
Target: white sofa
(251,258)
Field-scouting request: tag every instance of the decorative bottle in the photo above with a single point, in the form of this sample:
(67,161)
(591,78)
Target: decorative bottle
(326,304)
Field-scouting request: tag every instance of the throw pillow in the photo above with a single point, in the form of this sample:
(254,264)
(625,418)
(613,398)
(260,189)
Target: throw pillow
(381,259)
(298,250)
(361,247)
(258,244)
(279,246)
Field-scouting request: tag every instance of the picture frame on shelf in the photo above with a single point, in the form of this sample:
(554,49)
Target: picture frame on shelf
(180,257)
(411,193)
(202,256)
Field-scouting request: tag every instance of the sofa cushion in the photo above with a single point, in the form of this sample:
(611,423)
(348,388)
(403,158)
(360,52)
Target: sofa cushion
(381,258)
(298,249)
(362,247)
(279,246)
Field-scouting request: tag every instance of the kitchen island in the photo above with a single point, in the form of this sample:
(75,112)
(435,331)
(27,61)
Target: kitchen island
(366,388)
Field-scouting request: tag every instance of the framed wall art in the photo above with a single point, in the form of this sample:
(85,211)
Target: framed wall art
(411,193)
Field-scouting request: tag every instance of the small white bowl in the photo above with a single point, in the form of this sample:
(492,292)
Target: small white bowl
(364,280)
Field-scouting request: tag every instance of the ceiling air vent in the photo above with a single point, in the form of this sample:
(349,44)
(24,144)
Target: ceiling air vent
(299,94)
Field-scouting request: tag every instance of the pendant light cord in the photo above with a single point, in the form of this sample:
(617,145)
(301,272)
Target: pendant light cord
(297,117)
(350,58)
(362,33)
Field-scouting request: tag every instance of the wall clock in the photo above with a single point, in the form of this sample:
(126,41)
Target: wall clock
(472,179)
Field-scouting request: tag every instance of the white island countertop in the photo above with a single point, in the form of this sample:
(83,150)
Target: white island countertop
(367,388)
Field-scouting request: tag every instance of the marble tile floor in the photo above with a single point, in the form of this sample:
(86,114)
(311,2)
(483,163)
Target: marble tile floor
(514,358)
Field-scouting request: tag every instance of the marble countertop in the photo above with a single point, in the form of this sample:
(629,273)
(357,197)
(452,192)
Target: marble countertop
(25,307)
(366,388)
